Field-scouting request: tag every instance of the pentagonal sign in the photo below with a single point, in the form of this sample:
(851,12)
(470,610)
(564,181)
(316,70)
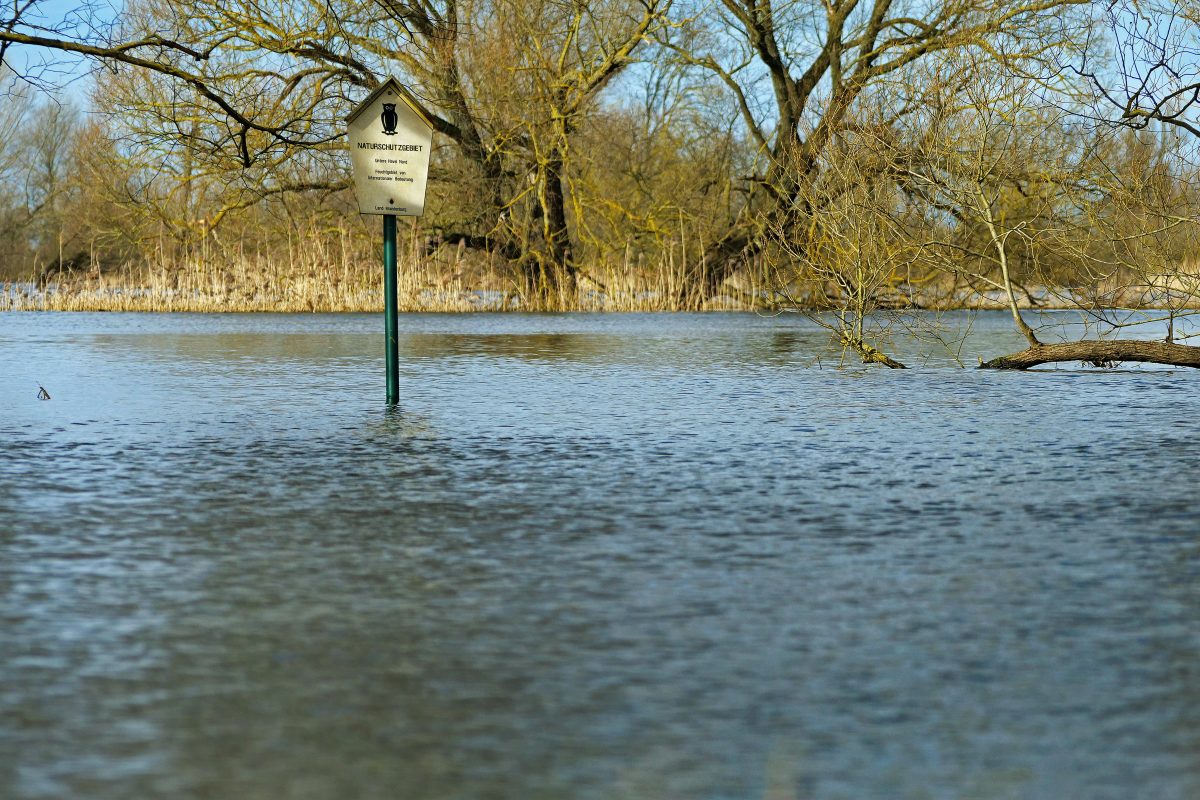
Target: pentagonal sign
(389,151)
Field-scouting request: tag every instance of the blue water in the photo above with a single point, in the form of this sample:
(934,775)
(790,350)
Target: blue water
(676,556)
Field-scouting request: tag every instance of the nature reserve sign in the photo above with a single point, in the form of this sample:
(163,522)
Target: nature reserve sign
(389,140)
(389,150)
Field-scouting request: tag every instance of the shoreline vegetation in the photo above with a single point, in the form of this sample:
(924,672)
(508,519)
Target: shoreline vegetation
(205,292)
(308,276)
(344,274)
(262,285)
(855,165)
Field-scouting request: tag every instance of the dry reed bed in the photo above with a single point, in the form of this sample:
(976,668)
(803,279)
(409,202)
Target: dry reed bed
(338,270)
(315,274)
(314,284)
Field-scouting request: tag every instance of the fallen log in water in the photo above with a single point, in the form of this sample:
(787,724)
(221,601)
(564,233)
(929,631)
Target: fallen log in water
(1099,353)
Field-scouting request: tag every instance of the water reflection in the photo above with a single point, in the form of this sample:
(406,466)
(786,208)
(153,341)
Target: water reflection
(230,348)
(527,347)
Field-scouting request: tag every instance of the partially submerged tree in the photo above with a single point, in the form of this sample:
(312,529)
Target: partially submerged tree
(1136,248)
(848,263)
(1135,231)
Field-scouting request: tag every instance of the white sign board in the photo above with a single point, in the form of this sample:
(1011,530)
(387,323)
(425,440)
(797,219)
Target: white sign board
(389,150)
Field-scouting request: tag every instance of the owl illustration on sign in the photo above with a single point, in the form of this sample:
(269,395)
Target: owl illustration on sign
(389,118)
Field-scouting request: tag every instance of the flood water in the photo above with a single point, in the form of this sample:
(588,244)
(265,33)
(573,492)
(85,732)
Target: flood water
(677,556)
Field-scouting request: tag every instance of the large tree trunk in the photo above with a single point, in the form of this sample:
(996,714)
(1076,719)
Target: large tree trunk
(554,216)
(721,261)
(547,263)
(773,212)
(1100,353)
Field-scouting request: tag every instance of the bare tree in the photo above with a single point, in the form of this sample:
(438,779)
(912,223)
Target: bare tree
(847,265)
(544,65)
(797,71)
(1013,167)
(1140,63)
(36,156)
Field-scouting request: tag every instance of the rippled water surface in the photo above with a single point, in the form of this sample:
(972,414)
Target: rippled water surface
(589,557)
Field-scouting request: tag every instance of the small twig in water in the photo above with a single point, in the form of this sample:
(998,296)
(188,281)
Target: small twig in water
(42,393)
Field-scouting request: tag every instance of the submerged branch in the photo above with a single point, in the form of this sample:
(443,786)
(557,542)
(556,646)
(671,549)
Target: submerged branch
(1100,353)
(873,355)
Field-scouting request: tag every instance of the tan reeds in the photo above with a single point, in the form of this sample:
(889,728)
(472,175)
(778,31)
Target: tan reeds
(338,271)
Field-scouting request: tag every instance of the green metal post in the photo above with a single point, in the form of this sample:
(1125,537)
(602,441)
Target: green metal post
(389,308)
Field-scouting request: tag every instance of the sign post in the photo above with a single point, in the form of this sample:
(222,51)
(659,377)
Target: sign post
(390,321)
(389,138)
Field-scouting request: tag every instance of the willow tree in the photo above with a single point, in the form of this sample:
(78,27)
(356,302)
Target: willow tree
(536,71)
(852,264)
(260,89)
(1129,221)
(798,71)
(1134,242)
